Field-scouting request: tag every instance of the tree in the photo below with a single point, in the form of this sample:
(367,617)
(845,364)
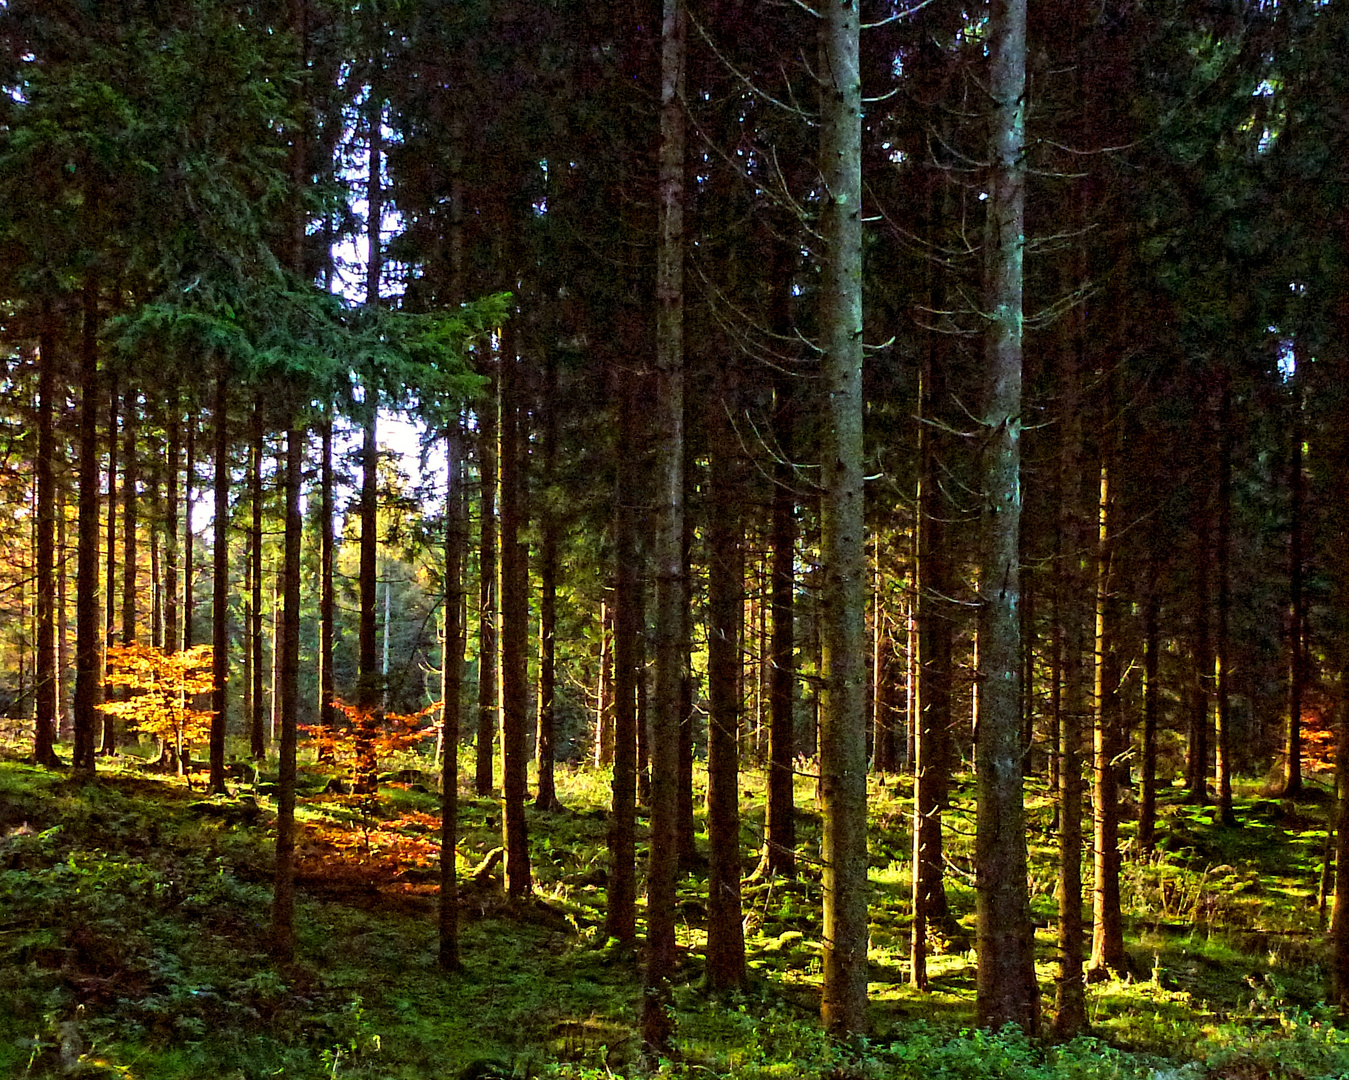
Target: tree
(1007,992)
(843,716)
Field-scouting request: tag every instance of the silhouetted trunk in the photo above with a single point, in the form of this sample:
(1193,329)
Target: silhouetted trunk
(932,638)
(487,582)
(451,694)
(1007,991)
(88,631)
(220,582)
(1107,939)
(620,918)
(172,522)
(725,968)
(253,646)
(545,749)
(189,537)
(1070,1004)
(1201,658)
(1297,672)
(1222,654)
(45,685)
(369,684)
(108,744)
(283,885)
(684,833)
(1147,803)
(327,591)
(514,620)
(780,827)
(667,560)
(65,669)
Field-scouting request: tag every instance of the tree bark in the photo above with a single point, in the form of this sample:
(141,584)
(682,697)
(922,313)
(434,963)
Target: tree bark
(1107,939)
(545,747)
(1006,987)
(88,632)
(283,886)
(514,620)
(487,584)
(780,827)
(1222,654)
(620,919)
(1297,671)
(189,537)
(671,586)
(108,744)
(220,582)
(1147,803)
(327,591)
(46,683)
(172,467)
(725,968)
(256,728)
(451,693)
(842,541)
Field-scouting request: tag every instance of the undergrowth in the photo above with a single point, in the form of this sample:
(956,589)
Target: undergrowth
(134,912)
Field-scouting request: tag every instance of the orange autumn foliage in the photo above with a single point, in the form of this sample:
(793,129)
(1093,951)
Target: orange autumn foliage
(160,690)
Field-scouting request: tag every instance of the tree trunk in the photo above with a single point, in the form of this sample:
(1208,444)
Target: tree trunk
(221,583)
(1202,665)
(451,694)
(64,667)
(108,743)
(369,688)
(514,619)
(189,537)
(283,886)
(172,465)
(1107,939)
(1222,654)
(130,512)
(327,591)
(487,584)
(842,541)
(88,632)
(725,968)
(253,647)
(1297,671)
(620,919)
(545,748)
(780,827)
(1147,802)
(1070,1004)
(46,683)
(1007,992)
(671,586)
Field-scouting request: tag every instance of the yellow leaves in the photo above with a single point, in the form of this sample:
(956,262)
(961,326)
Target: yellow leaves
(160,690)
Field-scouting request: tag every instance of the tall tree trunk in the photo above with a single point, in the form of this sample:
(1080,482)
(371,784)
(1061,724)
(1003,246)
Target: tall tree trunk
(514,619)
(46,683)
(451,694)
(684,833)
(668,563)
(130,512)
(369,691)
(64,668)
(725,968)
(1222,654)
(1147,802)
(88,632)
(283,886)
(256,728)
(1201,656)
(1107,939)
(327,590)
(620,919)
(780,827)
(220,582)
(1297,672)
(932,637)
(842,541)
(1007,992)
(1070,1003)
(108,743)
(545,746)
(172,466)
(487,582)
(189,537)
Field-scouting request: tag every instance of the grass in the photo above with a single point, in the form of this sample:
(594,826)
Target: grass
(133,918)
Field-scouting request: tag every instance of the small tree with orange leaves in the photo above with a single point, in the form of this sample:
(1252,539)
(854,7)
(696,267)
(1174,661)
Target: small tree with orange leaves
(161,688)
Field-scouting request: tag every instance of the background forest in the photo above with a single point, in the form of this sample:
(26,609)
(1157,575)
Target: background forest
(828,511)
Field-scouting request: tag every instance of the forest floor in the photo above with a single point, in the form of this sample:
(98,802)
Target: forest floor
(134,910)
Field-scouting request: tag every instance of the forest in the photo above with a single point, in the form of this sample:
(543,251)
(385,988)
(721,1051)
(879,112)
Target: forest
(749,538)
